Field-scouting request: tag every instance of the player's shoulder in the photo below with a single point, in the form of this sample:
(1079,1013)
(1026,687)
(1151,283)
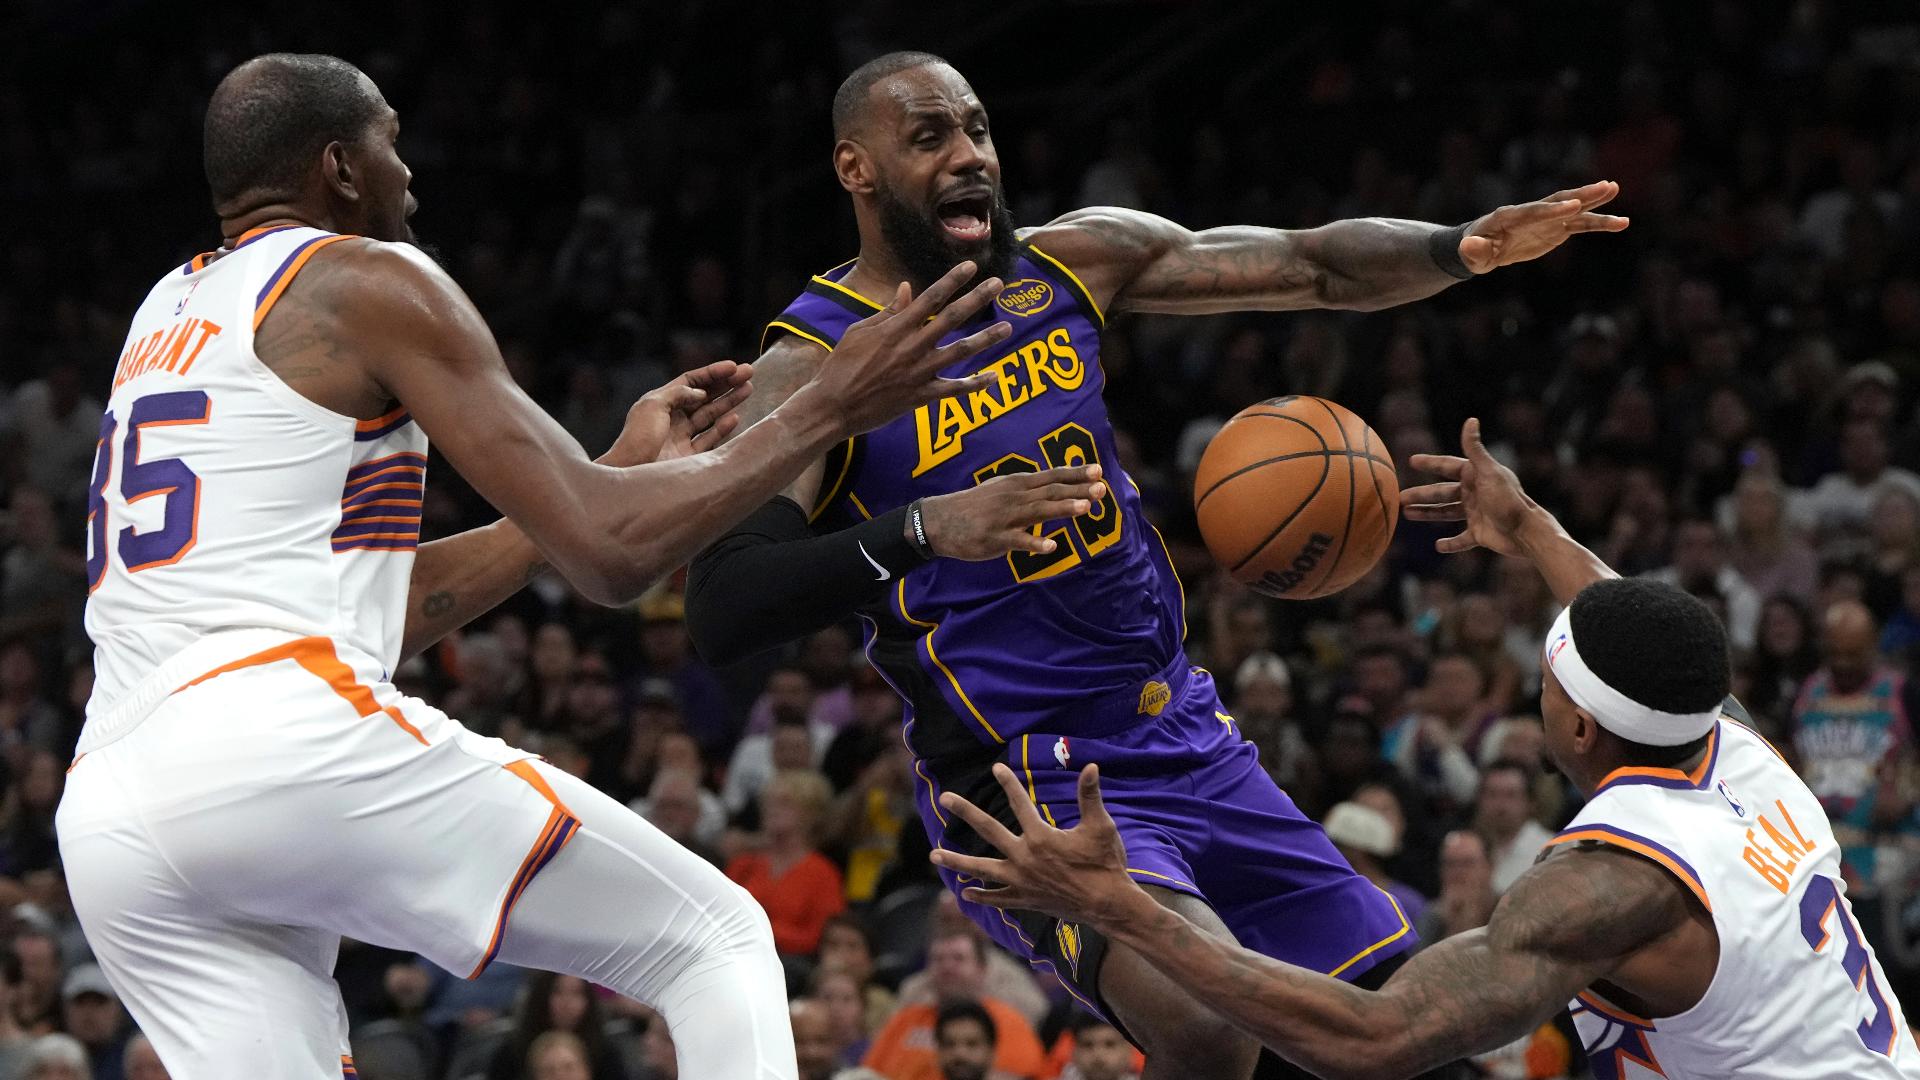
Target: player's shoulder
(1099,233)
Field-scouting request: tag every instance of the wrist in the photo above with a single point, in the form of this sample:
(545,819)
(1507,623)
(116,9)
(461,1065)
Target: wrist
(811,417)
(1135,917)
(1537,530)
(1443,247)
(915,529)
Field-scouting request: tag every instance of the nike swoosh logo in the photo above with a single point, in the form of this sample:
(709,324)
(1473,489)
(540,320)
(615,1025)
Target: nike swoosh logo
(881,570)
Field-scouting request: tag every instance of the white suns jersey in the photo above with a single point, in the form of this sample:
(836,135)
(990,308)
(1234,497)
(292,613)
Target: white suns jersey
(1798,994)
(222,500)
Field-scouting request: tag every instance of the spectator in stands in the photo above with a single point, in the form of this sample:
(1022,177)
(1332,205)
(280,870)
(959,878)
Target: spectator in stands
(1263,709)
(1893,538)
(1841,502)
(1433,746)
(874,728)
(1700,567)
(838,992)
(1852,738)
(949,975)
(800,742)
(1366,838)
(28,719)
(865,820)
(593,721)
(1476,629)
(815,1040)
(799,888)
(37,1004)
(140,1062)
(688,813)
(15,1041)
(845,947)
(1100,1052)
(1784,655)
(93,1015)
(566,1005)
(558,1055)
(656,1052)
(550,662)
(1503,816)
(1900,638)
(54,429)
(57,1057)
(1466,889)
(42,581)
(964,1038)
(1762,543)
(666,653)
(957,964)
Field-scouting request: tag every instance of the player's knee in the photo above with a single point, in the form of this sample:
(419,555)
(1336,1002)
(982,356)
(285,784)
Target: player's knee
(738,922)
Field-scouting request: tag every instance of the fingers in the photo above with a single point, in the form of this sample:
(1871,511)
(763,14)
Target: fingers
(956,315)
(1439,464)
(1064,474)
(1598,193)
(938,388)
(974,866)
(716,434)
(1475,450)
(1454,545)
(1028,540)
(1005,899)
(713,376)
(710,413)
(1093,810)
(1023,808)
(936,295)
(970,345)
(983,823)
(1451,511)
(1544,210)
(679,396)
(1596,223)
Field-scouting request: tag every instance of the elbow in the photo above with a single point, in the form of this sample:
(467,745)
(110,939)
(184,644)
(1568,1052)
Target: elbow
(610,578)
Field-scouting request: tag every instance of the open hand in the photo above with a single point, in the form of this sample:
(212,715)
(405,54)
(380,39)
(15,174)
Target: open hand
(890,361)
(1526,231)
(1477,490)
(1004,514)
(689,414)
(1077,874)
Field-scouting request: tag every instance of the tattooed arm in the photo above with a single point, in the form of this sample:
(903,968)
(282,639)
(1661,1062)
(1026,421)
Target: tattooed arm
(1137,261)
(1579,916)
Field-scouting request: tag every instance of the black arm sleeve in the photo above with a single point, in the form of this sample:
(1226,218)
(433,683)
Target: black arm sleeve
(770,580)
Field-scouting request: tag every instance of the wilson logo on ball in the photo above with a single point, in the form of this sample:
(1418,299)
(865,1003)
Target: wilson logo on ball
(1284,580)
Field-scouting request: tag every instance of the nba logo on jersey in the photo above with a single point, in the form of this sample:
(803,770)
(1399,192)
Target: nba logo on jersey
(1727,794)
(1060,751)
(182,305)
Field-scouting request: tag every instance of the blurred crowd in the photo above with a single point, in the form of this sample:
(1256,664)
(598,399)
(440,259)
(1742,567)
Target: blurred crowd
(1723,397)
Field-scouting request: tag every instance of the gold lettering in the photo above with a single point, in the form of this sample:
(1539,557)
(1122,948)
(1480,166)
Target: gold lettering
(1068,375)
(1773,876)
(1786,845)
(208,331)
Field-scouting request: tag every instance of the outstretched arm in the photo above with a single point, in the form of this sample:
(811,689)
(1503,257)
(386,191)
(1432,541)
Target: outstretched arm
(1135,261)
(1499,516)
(1566,922)
(457,579)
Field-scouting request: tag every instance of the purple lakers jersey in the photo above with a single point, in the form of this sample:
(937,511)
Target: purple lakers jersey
(1086,637)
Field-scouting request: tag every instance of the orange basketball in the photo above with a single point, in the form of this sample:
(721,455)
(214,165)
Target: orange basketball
(1297,497)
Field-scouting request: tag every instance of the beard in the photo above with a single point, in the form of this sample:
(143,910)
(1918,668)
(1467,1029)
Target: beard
(919,241)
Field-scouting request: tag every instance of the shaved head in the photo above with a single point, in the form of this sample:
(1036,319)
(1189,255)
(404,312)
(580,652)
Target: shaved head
(851,100)
(271,117)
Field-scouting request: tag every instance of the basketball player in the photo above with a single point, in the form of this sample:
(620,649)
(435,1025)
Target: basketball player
(1693,912)
(250,785)
(1045,661)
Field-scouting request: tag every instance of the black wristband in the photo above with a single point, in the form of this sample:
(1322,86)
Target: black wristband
(917,523)
(1443,246)
(887,537)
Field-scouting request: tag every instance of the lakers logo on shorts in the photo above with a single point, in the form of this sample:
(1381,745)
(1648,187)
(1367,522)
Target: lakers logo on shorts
(1068,937)
(1154,697)
(1026,297)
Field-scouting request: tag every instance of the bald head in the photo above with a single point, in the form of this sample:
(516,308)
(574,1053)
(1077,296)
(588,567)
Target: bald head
(272,117)
(1850,640)
(815,1048)
(852,100)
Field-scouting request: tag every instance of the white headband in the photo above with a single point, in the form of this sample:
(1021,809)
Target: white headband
(1614,710)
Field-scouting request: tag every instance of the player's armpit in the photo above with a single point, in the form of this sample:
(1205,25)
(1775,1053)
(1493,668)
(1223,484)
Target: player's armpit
(1132,260)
